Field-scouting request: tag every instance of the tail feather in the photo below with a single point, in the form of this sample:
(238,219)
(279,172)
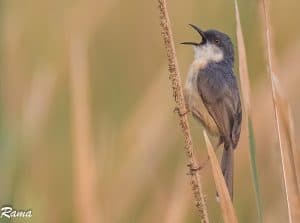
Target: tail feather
(227,168)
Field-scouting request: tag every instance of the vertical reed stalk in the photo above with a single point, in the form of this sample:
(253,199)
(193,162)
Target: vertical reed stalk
(245,88)
(84,163)
(227,209)
(282,114)
(175,79)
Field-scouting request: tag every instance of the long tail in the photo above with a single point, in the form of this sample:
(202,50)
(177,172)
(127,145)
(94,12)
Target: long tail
(227,168)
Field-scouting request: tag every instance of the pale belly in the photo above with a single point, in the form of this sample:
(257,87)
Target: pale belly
(195,104)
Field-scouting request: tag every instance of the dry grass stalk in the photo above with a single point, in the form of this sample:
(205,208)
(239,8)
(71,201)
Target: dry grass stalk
(175,79)
(142,143)
(37,104)
(283,120)
(292,141)
(228,212)
(243,67)
(84,163)
(13,82)
(282,115)
(80,23)
(245,87)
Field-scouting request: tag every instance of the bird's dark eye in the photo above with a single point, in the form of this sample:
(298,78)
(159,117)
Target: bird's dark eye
(217,41)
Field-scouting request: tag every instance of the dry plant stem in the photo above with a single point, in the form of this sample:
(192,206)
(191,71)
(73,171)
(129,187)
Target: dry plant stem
(228,211)
(291,187)
(245,88)
(84,163)
(243,67)
(142,143)
(175,79)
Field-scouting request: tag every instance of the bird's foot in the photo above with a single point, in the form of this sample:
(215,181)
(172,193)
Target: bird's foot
(177,110)
(194,168)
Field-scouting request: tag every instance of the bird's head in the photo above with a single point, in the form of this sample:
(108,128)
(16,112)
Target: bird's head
(215,46)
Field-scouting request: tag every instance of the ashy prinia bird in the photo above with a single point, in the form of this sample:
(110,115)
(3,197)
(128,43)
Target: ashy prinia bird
(212,94)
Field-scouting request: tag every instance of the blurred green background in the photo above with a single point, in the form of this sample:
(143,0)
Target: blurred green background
(87,132)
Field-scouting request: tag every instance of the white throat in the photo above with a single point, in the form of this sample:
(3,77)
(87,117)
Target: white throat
(204,54)
(208,53)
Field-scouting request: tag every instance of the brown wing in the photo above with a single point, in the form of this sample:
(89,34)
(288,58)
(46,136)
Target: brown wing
(220,95)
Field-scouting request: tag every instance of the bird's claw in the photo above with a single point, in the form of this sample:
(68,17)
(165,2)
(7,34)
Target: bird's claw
(194,168)
(177,110)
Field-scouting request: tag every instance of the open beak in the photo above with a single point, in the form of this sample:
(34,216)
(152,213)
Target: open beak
(202,34)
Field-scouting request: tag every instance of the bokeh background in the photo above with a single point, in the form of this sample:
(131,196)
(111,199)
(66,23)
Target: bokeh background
(87,129)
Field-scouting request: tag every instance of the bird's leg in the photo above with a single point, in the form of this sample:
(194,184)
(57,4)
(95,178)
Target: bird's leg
(177,110)
(200,167)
